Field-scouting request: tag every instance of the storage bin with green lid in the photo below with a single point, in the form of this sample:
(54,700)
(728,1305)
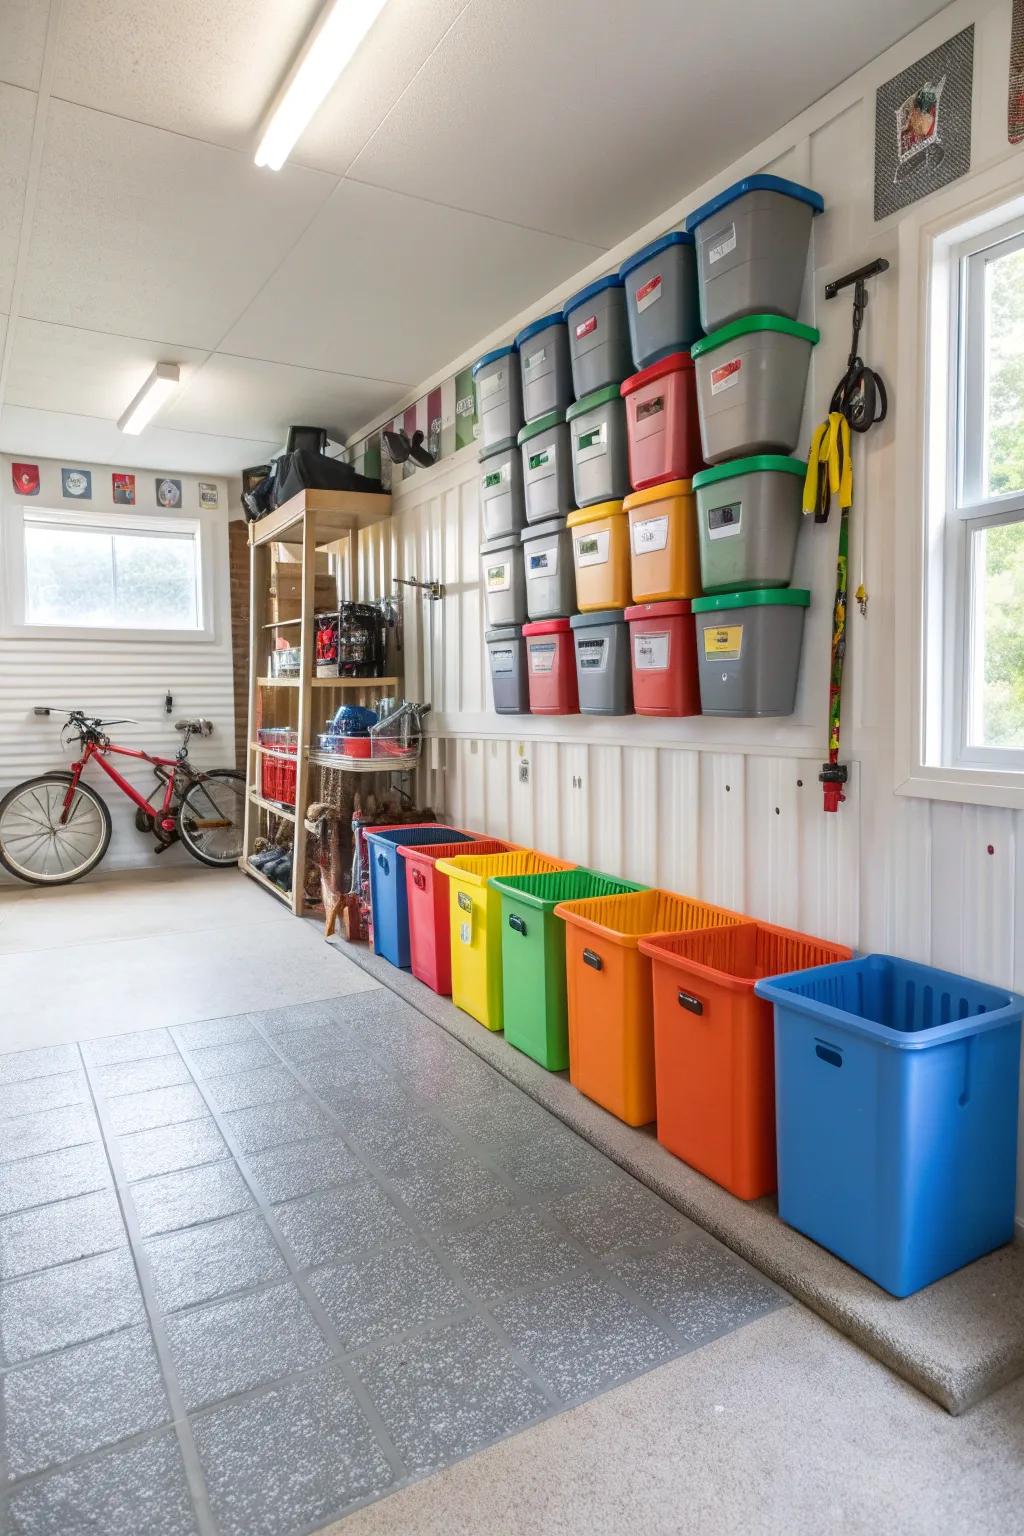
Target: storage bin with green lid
(502,500)
(748,650)
(600,447)
(600,556)
(748,517)
(547,467)
(476,927)
(751,380)
(533,957)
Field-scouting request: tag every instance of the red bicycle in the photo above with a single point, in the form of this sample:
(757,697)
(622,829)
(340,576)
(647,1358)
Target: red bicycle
(56,828)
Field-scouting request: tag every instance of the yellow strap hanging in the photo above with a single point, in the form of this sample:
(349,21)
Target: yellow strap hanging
(829,467)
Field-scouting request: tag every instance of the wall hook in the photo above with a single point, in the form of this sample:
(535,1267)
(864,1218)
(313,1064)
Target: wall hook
(432,590)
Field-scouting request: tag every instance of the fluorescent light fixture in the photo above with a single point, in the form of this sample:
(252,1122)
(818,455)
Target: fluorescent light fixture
(162,383)
(339,30)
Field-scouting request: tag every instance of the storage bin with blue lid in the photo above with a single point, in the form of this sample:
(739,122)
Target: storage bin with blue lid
(661,298)
(545,365)
(598,335)
(499,394)
(896,1111)
(387,882)
(752,242)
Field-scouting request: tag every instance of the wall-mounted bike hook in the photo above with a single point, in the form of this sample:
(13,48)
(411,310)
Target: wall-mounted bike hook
(432,590)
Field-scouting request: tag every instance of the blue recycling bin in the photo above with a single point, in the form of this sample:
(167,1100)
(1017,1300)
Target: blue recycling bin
(896,1114)
(387,883)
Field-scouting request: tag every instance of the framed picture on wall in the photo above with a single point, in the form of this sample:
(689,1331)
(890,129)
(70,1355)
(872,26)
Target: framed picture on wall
(923,125)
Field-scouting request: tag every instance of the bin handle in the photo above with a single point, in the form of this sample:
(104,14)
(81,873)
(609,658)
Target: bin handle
(517,922)
(693,1004)
(830,1053)
(420,879)
(382,862)
(592,958)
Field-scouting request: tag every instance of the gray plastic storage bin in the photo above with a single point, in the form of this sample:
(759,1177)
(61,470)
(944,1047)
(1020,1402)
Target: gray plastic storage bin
(752,244)
(603,668)
(510,685)
(751,379)
(600,447)
(749,513)
(661,298)
(545,366)
(598,335)
(504,580)
(499,395)
(550,582)
(748,650)
(547,467)
(501,489)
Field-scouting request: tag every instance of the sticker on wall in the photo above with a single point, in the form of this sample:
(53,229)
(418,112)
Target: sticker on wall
(465,409)
(923,125)
(76,483)
(168,493)
(124,490)
(25,479)
(209,496)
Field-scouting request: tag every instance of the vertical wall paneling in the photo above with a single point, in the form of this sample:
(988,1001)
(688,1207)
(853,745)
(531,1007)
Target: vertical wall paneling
(723,828)
(675,819)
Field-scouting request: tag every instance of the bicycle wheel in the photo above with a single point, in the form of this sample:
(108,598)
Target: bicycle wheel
(211,817)
(37,846)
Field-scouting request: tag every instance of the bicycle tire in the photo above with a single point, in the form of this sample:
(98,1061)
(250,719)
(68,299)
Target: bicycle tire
(228,861)
(85,789)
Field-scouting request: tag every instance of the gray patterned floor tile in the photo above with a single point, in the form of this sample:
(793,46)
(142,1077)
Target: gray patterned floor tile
(140,1076)
(170,1147)
(207,1032)
(300,1167)
(337,1223)
(193,1195)
(54,1176)
(232,1056)
(385,1293)
(119,1493)
(20,1066)
(270,1125)
(246,1342)
(701,1288)
(259,1085)
(32,1094)
(509,1250)
(50,1130)
(132,1112)
(400,1140)
(447,1195)
(81,1399)
(67,1305)
(138,1046)
(58,1233)
(448,1393)
(289,1459)
(201,1263)
(620,1214)
(304,1045)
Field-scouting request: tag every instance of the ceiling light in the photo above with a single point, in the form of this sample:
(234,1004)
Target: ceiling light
(341,27)
(162,383)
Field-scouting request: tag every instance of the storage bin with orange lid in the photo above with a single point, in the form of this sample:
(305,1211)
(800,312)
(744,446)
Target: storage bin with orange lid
(608,982)
(664,542)
(600,556)
(475,916)
(430,929)
(714,1045)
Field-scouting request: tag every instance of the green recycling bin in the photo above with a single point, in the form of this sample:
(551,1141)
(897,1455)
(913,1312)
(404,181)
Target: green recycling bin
(533,957)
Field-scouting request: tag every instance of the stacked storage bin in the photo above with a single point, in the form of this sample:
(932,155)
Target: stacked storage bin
(497,381)
(751,376)
(663,452)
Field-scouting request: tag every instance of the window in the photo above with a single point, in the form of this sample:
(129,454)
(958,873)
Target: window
(99,572)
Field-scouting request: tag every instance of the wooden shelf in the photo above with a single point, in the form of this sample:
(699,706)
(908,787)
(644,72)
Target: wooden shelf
(271,806)
(338,513)
(254,874)
(328,682)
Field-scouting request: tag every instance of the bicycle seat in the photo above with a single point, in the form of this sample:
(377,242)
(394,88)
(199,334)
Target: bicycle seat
(199,727)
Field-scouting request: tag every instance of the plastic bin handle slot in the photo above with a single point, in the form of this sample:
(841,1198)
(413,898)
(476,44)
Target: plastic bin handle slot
(382,862)
(830,1053)
(592,958)
(517,922)
(419,879)
(687,1000)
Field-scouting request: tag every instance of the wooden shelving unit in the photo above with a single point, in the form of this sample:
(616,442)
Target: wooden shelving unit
(312,523)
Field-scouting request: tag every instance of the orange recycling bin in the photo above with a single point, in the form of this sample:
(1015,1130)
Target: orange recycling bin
(714,1046)
(608,986)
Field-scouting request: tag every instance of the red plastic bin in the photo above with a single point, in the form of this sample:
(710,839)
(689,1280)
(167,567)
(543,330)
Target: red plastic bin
(551,667)
(277,773)
(663,658)
(662,429)
(426,889)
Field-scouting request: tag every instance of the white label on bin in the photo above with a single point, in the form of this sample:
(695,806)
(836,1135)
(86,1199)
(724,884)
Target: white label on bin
(726,375)
(503,659)
(497,477)
(534,359)
(648,293)
(650,535)
(466,933)
(499,577)
(725,521)
(544,458)
(650,652)
(542,655)
(490,384)
(592,442)
(543,563)
(647,408)
(591,655)
(592,548)
(586,326)
(722,246)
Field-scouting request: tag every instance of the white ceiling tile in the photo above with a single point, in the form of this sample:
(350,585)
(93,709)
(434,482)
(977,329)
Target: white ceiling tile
(34,434)
(393,287)
(17,111)
(205,69)
(590,117)
(86,373)
(232,393)
(146,233)
(22,41)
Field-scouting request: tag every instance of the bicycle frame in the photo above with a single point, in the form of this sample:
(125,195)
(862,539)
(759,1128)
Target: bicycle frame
(99,751)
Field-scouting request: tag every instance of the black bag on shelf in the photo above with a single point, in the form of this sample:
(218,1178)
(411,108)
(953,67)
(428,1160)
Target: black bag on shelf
(304,470)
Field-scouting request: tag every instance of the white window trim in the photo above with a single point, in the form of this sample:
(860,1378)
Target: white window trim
(923,629)
(12,551)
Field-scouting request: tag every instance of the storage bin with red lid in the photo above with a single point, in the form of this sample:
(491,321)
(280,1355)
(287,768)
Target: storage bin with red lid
(551,668)
(662,425)
(663,658)
(426,891)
